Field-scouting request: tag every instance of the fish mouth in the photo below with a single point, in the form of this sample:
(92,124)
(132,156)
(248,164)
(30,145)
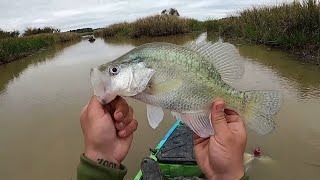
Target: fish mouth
(100,87)
(107,99)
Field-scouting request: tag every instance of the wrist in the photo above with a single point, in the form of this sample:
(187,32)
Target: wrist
(102,159)
(237,175)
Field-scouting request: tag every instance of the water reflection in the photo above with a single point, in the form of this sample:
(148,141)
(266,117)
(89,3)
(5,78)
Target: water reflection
(305,77)
(14,69)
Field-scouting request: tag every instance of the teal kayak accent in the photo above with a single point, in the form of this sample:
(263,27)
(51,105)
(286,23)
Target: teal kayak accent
(164,139)
(175,169)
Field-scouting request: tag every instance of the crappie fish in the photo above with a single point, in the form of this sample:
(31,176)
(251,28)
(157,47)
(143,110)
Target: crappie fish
(185,80)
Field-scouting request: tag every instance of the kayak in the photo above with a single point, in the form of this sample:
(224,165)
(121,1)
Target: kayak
(173,157)
(174,154)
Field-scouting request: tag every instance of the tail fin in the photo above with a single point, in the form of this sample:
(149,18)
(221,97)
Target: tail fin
(260,106)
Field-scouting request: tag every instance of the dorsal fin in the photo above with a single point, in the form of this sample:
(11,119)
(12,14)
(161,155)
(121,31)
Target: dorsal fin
(224,56)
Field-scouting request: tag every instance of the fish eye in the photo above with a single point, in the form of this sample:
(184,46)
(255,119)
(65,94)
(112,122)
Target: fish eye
(114,70)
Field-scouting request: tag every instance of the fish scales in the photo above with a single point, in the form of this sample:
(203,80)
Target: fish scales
(185,80)
(201,82)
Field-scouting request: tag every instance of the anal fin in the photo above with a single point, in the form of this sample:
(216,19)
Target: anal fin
(155,115)
(199,122)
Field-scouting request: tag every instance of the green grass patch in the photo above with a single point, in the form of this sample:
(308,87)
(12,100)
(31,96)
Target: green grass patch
(15,48)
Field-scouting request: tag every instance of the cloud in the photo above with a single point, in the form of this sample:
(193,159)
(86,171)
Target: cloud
(72,14)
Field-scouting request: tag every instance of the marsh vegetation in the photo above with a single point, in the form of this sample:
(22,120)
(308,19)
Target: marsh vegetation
(290,26)
(157,25)
(13,48)
(293,27)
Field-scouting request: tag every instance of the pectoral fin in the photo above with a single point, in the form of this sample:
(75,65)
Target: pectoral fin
(199,122)
(155,115)
(164,87)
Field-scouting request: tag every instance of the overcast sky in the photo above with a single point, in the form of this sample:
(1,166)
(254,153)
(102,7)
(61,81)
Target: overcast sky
(73,14)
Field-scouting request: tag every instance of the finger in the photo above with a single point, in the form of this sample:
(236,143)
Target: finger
(121,124)
(218,118)
(95,109)
(129,129)
(230,112)
(119,107)
(232,116)
(196,136)
(197,139)
(200,142)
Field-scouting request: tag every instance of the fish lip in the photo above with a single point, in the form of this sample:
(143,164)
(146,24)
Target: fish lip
(107,99)
(100,87)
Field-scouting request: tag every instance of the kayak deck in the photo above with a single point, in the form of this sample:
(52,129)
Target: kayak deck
(174,154)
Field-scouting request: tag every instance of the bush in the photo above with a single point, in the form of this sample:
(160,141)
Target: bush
(6,34)
(32,31)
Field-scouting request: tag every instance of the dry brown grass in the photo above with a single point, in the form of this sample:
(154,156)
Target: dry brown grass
(157,25)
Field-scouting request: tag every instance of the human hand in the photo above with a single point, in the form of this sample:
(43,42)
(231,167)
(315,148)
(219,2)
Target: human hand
(108,131)
(221,155)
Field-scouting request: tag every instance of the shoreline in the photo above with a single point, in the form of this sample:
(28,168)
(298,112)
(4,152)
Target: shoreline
(35,52)
(21,56)
(301,55)
(16,48)
(291,27)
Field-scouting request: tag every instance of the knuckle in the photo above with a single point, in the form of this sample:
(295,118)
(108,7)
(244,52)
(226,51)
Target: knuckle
(129,112)
(135,124)
(219,118)
(132,127)
(128,118)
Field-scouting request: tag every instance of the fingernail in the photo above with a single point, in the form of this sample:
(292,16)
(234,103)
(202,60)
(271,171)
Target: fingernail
(220,107)
(119,115)
(122,133)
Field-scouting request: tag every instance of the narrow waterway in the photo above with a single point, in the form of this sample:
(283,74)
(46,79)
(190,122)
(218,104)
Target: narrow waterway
(41,97)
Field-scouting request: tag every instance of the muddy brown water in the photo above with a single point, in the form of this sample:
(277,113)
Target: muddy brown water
(41,97)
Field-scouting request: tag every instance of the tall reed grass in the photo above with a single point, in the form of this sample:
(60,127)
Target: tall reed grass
(160,25)
(15,48)
(157,25)
(293,26)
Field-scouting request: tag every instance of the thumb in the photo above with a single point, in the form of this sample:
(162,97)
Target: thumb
(218,118)
(95,109)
